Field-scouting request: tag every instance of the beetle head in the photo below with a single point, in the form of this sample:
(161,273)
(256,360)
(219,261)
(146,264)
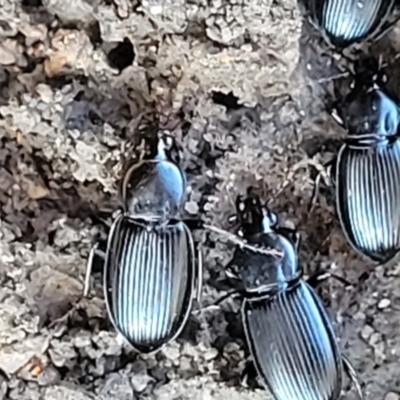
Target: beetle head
(271,259)
(167,148)
(253,217)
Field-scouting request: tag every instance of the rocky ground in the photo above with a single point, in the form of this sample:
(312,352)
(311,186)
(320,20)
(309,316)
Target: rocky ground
(244,86)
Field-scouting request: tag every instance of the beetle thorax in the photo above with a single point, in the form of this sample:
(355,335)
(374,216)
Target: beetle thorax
(154,190)
(372,113)
(260,272)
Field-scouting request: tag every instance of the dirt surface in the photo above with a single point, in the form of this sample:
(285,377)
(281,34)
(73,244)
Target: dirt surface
(241,85)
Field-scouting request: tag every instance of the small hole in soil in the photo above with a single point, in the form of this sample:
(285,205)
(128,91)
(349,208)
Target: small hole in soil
(230,101)
(122,56)
(94,118)
(79,96)
(32,3)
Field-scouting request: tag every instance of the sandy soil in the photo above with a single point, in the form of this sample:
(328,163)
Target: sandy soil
(68,123)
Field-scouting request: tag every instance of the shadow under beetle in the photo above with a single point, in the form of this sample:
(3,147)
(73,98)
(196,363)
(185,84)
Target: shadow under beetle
(346,22)
(366,171)
(152,273)
(289,333)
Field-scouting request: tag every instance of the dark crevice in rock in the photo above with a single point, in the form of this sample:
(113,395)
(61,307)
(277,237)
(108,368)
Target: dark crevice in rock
(122,56)
(230,101)
(32,3)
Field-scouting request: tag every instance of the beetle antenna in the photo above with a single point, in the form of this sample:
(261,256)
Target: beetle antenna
(231,237)
(334,77)
(381,65)
(351,372)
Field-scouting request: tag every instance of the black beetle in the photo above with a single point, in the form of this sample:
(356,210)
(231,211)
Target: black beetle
(152,273)
(345,22)
(288,330)
(366,171)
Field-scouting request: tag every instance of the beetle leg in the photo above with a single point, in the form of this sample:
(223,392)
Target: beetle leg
(321,276)
(250,376)
(352,374)
(385,29)
(101,218)
(297,239)
(89,265)
(328,167)
(216,304)
(317,184)
(199,275)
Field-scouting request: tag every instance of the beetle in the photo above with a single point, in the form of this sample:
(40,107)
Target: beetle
(288,331)
(346,22)
(366,170)
(152,272)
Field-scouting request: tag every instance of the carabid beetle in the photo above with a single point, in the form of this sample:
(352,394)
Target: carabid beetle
(367,169)
(288,330)
(345,22)
(152,273)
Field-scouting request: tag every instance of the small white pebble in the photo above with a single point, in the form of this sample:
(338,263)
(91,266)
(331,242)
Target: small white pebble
(392,396)
(192,207)
(375,338)
(359,316)
(366,332)
(384,303)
